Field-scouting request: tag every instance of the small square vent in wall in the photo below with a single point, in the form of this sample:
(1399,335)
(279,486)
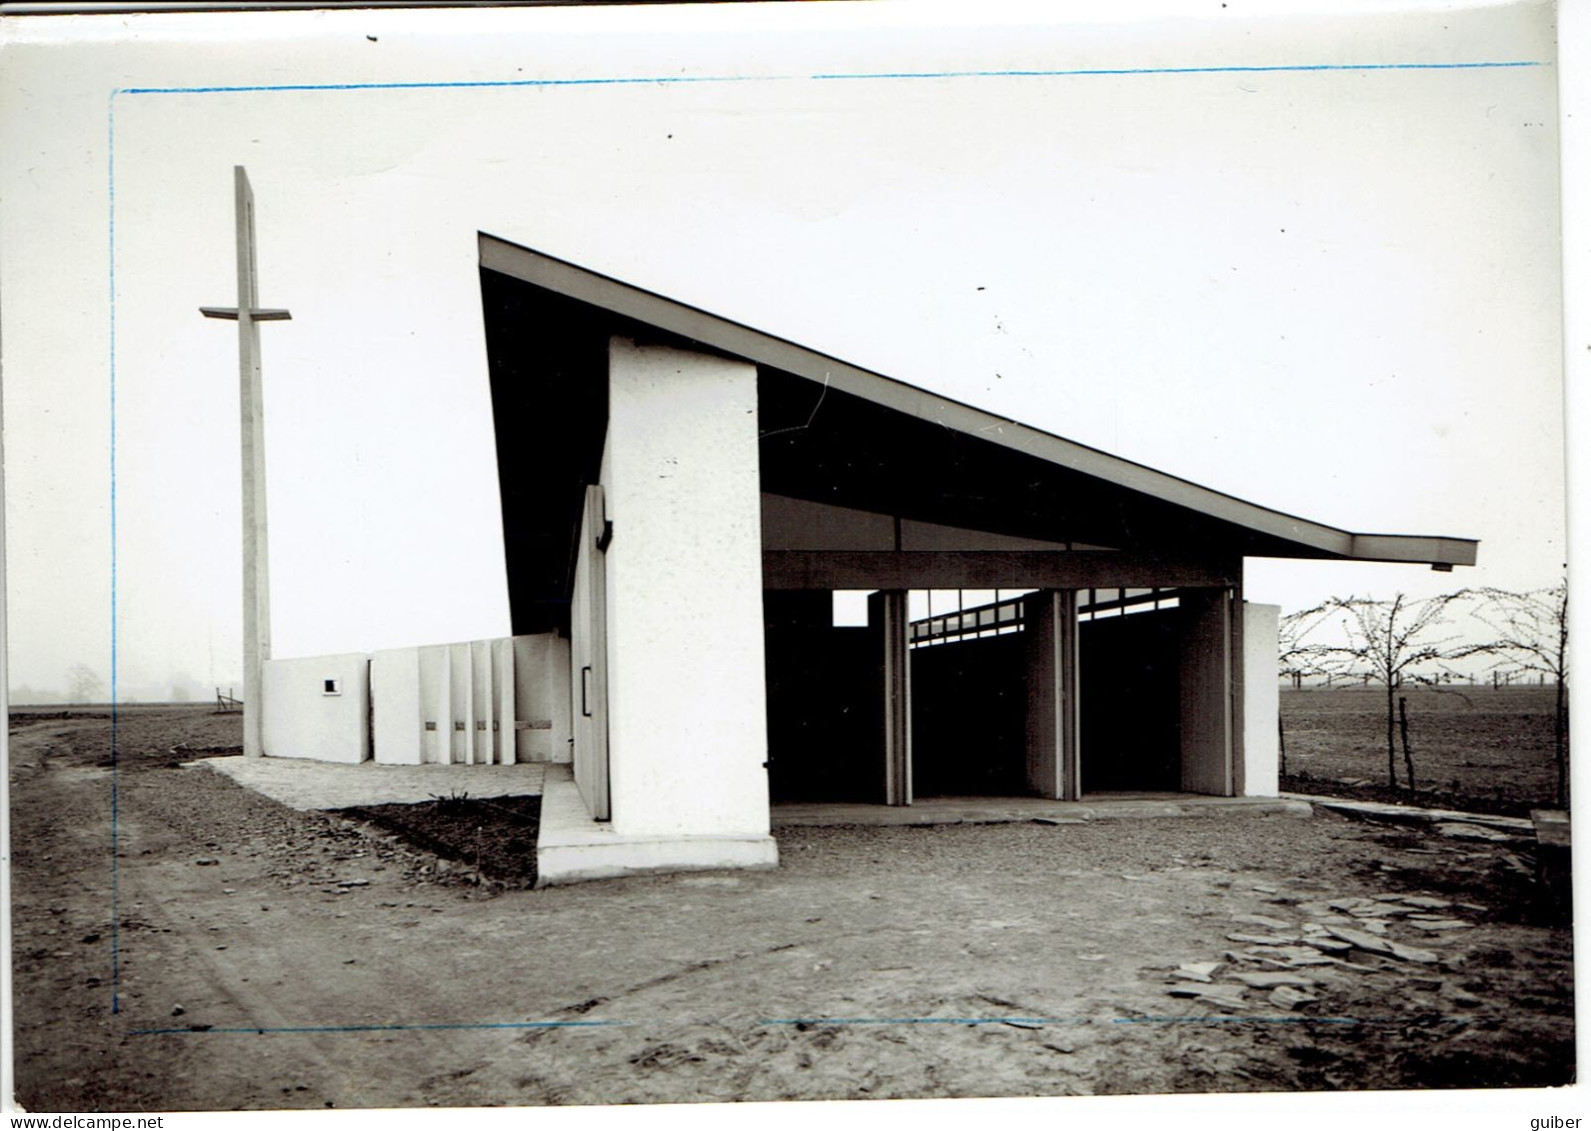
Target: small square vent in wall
(331,687)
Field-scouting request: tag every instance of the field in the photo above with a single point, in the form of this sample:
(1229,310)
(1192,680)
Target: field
(259,957)
(1475,748)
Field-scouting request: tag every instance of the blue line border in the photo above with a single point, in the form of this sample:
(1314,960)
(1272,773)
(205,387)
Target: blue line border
(115,776)
(654,80)
(195,1031)
(832,76)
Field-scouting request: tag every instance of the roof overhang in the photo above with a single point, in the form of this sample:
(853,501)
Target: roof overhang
(1305,538)
(1050,472)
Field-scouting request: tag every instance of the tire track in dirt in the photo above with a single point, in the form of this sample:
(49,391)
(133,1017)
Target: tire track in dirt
(254,985)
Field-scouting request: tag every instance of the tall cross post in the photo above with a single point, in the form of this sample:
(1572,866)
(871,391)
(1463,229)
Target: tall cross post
(251,399)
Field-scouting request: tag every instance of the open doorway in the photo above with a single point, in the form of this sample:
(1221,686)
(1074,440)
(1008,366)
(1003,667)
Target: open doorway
(825,711)
(969,694)
(1129,672)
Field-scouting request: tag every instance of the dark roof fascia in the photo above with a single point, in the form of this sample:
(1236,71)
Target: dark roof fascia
(724,335)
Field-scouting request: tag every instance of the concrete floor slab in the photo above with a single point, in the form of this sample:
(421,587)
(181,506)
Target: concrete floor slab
(1415,814)
(1001,810)
(300,783)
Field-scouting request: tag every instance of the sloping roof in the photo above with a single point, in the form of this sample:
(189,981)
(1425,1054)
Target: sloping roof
(1260,531)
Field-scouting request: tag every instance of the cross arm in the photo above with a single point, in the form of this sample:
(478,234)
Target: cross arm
(230,313)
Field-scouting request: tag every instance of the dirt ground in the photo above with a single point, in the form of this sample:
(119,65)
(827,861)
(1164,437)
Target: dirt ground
(1474,747)
(272,959)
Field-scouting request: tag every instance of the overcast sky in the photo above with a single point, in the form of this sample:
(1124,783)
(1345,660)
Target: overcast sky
(1328,285)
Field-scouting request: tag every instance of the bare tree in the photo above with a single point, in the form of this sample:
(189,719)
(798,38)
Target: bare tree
(1395,643)
(83,685)
(1533,636)
(1296,659)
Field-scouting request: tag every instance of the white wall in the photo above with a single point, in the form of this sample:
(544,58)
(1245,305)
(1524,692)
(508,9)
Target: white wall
(300,720)
(397,719)
(436,709)
(541,695)
(688,722)
(487,686)
(1261,701)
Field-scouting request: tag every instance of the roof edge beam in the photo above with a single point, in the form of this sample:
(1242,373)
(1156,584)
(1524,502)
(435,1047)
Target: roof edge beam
(1436,551)
(980,569)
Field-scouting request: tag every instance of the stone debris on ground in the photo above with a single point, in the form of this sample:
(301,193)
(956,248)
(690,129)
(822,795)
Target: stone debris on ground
(1516,864)
(1361,939)
(1460,830)
(1261,981)
(1359,967)
(1307,956)
(1284,953)
(1263,921)
(1231,997)
(1426,901)
(1333,929)
(1263,940)
(1286,997)
(1378,911)
(1414,953)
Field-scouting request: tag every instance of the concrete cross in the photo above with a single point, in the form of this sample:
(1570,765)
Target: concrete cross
(256,554)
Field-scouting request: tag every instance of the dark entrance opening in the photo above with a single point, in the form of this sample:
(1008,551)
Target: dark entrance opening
(1129,706)
(825,711)
(969,718)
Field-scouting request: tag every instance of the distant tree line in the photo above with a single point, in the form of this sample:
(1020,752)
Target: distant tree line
(1402,642)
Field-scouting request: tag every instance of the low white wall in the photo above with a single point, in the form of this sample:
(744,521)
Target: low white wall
(397,721)
(301,719)
(460,703)
(541,696)
(1261,701)
(688,719)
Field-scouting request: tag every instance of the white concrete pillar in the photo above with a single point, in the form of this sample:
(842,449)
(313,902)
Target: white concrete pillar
(1261,702)
(687,698)
(1206,691)
(1050,629)
(888,617)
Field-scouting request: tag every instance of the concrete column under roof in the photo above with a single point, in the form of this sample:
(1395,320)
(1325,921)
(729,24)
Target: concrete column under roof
(1259,698)
(1207,644)
(1050,626)
(887,615)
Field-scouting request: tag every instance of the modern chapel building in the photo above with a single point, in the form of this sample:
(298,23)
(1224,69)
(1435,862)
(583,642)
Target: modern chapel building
(682,496)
